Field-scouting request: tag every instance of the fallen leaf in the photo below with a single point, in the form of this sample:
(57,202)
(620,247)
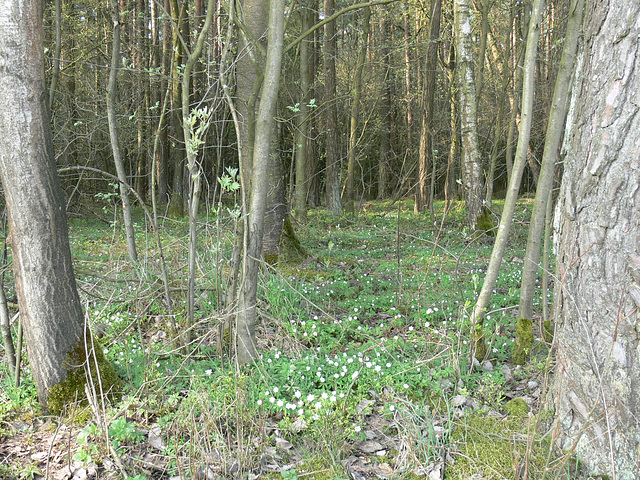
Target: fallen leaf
(155,440)
(369,446)
(383,470)
(283,444)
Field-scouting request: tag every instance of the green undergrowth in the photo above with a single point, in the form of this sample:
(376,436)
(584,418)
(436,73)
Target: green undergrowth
(363,335)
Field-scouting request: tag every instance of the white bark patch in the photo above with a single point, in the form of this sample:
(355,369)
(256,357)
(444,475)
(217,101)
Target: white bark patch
(619,354)
(466,27)
(612,102)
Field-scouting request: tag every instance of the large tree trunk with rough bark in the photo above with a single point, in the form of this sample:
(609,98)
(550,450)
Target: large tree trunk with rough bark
(50,308)
(598,278)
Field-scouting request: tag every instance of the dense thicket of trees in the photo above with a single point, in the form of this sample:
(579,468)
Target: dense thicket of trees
(407,95)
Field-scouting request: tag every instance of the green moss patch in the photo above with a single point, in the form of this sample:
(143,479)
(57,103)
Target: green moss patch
(495,448)
(517,407)
(524,341)
(72,388)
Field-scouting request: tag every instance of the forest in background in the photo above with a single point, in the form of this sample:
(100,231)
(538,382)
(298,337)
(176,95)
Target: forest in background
(386,72)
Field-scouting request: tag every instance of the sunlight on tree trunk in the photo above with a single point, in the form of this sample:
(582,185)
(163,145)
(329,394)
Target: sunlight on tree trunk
(468,115)
(555,128)
(48,300)
(265,126)
(476,320)
(597,301)
(113,133)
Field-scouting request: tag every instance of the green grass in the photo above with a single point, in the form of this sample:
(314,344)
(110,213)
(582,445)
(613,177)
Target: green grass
(369,335)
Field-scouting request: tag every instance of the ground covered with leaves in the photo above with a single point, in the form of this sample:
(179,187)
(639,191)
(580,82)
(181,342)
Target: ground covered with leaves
(364,368)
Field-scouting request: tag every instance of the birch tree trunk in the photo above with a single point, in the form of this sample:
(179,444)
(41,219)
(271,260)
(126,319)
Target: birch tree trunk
(468,116)
(597,297)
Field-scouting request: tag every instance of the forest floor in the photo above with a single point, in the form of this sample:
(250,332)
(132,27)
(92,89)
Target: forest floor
(364,368)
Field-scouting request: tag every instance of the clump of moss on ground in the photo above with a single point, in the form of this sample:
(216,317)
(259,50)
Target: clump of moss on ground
(517,407)
(493,447)
(72,388)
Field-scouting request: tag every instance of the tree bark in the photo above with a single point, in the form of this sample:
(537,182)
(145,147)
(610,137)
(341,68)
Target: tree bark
(302,118)
(254,17)
(598,262)
(506,80)
(265,122)
(355,109)
(384,150)
(426,158)
(113,134)
(50,308)
(468,116)
(334,202)
(194,127)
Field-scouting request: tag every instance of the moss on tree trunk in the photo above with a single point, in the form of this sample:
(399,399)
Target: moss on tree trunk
(103,379)
(524,341)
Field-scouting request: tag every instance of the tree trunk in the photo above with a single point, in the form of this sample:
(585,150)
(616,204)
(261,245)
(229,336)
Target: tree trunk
(384,150)
(302,119)
(468,116)
(254,17)
(482,49)
(355,110)
(408,95)
(276,201)
(515,97)
(598,288)
(195,125)
(506,80)
(50,308)
(334,202)
(555,128)
(500,244)
(265,122)
(426,158)
(180,31)
(55,74)
(113,134)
